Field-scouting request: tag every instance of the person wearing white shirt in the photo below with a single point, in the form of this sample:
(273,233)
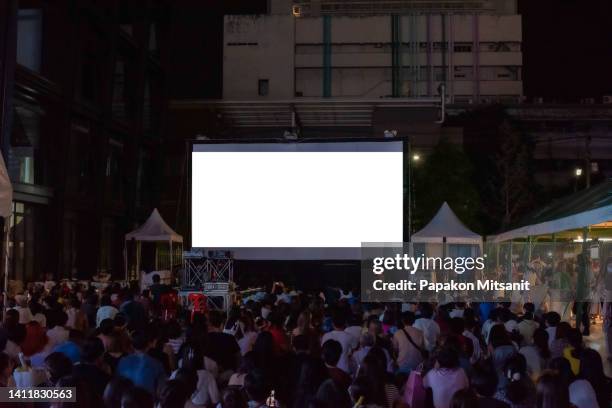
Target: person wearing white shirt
(346,340)
(106,310)
(526,328)
(58,334)
(430,329)
(355,328)
(409,344)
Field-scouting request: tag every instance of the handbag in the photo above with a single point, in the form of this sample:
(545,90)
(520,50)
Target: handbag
(414,391)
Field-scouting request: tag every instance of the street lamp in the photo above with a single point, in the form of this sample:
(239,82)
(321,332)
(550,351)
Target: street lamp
(578,172)
(416,157)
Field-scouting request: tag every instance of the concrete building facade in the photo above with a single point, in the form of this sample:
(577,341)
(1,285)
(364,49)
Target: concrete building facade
(345,49)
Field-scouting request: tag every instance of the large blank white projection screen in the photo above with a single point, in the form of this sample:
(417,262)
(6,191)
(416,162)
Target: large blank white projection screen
(296,200)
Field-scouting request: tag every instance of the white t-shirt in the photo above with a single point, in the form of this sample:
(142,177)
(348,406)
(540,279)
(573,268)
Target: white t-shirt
(552,333)
(445,383)
(456,313)
(354,331)
(347,342)
(431,331)
(407,354)
(582,394)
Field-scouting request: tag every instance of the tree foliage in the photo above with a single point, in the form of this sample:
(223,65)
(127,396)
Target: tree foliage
(445,175)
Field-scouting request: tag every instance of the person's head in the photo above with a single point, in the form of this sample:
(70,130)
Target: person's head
(136,397)
(528,316)
(484,381)
(447,357)
(574,338)
(92,350)
(562,330)
(407,318)
(498,336)
(465,398)
(552,319)
(257,385)
(141,340)
(173,394)
(552,391)
(105,300)
(107,327)
(60,318)
(173,329)
(233,397)
(57,365)
(529,308)
(331,352)
(540,340)
(457,325)
(426,310)
(120,321)
(156,278)
(374,326)
(339,320)
(216,319)
(114,391)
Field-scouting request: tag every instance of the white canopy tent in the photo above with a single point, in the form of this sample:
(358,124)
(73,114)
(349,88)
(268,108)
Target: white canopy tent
(154,229)
(445,226)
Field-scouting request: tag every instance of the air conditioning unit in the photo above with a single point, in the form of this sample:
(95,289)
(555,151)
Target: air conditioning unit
(587,101)
(538,100)
(607,99)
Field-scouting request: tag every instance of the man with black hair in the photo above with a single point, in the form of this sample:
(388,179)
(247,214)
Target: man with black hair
(142,369)
(527,326)
(89,369)
(221,347)
(57,334)
(347,342)
(331,352)
(157,289)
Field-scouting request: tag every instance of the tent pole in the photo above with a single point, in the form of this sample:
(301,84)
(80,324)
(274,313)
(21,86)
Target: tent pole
(171,260)
(138,259)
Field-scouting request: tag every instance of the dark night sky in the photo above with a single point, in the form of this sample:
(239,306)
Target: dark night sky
(567,47)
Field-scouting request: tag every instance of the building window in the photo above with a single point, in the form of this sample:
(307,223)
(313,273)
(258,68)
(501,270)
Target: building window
(463,47)
(29,38)
(25,156)
(263,87)
(80,177)
(27,242)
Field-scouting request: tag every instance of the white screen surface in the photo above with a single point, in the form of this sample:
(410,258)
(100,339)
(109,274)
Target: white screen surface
(296,201)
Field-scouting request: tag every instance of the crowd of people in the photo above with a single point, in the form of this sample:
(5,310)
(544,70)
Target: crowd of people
(290,349)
